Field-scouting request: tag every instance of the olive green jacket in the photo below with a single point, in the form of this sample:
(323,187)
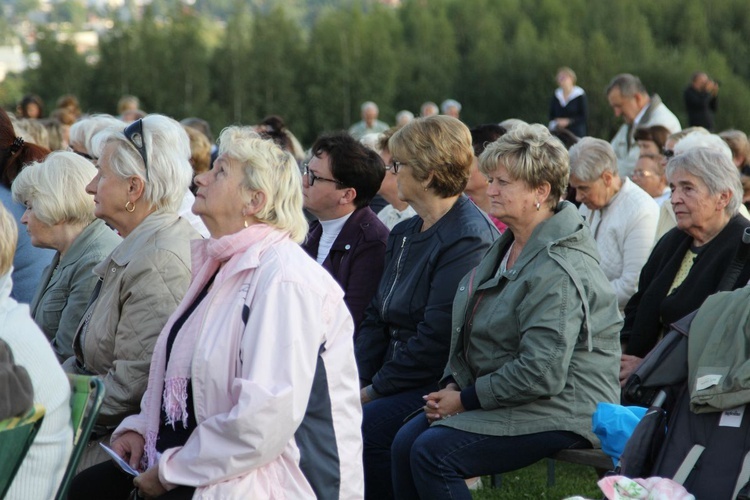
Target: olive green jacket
(540,342)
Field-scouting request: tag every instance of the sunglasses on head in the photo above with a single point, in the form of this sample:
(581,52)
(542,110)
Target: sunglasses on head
(134,134)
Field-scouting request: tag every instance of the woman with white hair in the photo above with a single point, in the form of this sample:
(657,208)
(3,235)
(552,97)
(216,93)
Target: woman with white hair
(622,216)
(44,464)
(253,390)
(84,130)
(60,215)
(143,172)
(689,262)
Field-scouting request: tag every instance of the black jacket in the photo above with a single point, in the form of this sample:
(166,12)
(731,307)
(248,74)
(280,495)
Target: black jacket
(404,339)
(651,310)
(577,110)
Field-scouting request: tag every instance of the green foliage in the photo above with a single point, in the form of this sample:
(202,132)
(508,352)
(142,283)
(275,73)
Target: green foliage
(315,62)
(531,483)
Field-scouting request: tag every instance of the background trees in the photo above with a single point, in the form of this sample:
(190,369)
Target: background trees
(314,64)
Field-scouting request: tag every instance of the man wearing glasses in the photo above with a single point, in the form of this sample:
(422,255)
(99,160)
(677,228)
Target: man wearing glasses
(348,239)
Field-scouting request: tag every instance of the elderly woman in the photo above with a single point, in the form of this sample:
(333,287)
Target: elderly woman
(44,465)
(535,335)
(651,140)
(404,339)
(253,390)
(568,108)
(622,216)
(690,261)
(143,172)
(60,215)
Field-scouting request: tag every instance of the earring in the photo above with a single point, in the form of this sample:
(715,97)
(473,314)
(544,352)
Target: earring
(245,224)
(130,206)
(538,205)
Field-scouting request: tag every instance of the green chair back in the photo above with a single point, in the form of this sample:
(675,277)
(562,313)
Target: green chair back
(87,395)
(16,436)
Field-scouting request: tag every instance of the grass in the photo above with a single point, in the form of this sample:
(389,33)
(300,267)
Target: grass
(531,482)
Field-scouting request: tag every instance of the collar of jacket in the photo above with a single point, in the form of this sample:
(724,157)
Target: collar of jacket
(250,243)
(136,240)
(81,244)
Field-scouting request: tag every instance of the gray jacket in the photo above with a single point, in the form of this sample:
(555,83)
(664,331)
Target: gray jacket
(143,281)
(66,285)
(539,342)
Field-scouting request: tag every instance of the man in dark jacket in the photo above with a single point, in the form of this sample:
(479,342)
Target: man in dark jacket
(701,100)
(348,239)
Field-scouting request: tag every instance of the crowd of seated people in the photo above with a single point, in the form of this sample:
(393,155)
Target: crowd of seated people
(386,315)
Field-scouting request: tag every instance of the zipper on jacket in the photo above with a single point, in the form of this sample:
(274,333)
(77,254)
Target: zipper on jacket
(395,279)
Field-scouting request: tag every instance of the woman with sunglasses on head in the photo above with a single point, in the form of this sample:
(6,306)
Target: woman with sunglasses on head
(143,172)
(404,339)
(252,391)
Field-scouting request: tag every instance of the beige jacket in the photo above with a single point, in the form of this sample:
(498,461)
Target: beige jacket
(142,282)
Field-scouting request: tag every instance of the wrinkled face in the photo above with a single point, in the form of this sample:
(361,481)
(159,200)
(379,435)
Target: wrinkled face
(695,208)
(41,234)
(369,115)
(647,177)
(220,198)
(593,194)
(109,190)
(625,107)
(511,200)
(409,187)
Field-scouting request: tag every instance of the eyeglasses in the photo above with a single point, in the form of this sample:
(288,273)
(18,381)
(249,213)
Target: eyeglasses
(395,165)
(667,153)
(134,134)
(642,173)
(311,177)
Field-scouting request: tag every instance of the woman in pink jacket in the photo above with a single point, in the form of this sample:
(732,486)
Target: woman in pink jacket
(253,389)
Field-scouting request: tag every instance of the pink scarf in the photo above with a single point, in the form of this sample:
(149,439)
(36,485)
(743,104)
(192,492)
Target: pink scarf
(167,384)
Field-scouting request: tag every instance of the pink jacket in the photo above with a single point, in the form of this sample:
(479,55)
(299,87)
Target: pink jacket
(276,397)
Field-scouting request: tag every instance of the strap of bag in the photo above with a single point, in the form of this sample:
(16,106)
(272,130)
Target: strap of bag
(686,467)
(743,480)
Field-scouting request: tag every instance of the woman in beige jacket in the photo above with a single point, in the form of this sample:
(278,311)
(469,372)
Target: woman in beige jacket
(143,172)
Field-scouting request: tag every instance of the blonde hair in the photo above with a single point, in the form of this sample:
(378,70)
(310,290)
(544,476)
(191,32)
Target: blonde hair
(567,71)
(533,155)
(274,172)
(8,239)
(56,187)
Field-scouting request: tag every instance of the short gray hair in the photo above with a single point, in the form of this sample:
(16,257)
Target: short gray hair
(369,104)
(450,103)
(702,140)
(714,169)
(56,188)
(591,157)
(531,154)
(82,131)
(628,85)
(168,152)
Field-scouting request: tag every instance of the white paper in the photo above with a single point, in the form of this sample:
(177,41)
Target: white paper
(707,381)
(119,461)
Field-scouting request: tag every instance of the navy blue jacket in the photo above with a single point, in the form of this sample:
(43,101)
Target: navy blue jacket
(404,340)
(356,258)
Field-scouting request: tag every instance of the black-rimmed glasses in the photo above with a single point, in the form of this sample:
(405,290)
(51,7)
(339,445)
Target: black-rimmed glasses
(81,153)
(394,165)
(134,134)
(311,177)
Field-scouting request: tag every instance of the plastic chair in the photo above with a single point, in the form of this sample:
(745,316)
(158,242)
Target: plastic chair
(16,436)
(87,395)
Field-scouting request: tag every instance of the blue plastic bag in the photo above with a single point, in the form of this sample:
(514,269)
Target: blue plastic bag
(613,424)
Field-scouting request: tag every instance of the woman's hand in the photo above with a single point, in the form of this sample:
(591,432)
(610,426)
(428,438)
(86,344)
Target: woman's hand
(363,396)
(443,404)
(148,483)
(628,364)
(130,447)
(562,122)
